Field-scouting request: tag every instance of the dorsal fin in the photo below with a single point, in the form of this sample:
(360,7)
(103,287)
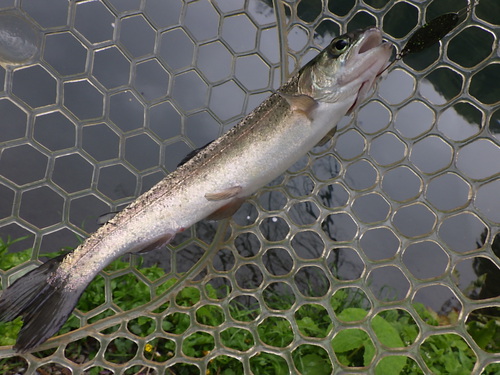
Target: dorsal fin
(104,218)
(192,154)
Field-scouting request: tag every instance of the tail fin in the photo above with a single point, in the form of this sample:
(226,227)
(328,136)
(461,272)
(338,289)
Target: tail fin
(44,307)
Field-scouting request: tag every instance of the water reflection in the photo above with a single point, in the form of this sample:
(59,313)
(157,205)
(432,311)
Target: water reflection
(19,39)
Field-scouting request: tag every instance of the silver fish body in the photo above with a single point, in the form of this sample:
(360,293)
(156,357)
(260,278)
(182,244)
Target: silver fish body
(212,184)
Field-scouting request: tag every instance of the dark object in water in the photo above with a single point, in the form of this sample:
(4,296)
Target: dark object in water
(432,32)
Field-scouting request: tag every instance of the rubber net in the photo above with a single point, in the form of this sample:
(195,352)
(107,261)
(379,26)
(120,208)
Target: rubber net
(377,252)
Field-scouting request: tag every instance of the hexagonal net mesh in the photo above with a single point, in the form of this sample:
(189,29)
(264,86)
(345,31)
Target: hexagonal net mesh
(376,253)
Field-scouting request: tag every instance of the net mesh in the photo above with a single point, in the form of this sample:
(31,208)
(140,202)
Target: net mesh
(373,253)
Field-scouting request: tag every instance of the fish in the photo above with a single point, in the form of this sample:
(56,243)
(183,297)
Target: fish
(212,184)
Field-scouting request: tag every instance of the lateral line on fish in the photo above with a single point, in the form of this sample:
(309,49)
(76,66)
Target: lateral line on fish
(243,127)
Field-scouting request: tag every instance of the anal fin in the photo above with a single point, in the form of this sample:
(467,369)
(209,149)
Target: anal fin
(228,193)
(327,137)
(227,210)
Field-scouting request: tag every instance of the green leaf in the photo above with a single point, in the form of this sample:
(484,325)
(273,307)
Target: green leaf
(11,260)
(352,314)
(369,352)
(315,365)
(428,316)
(448,354)
(392,365)
(312,360)
(9,331)
(386,333)
(268,364)
(482,333)
(348,340)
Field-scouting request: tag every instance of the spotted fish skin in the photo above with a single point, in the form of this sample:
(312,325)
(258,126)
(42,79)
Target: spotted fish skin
(212,184)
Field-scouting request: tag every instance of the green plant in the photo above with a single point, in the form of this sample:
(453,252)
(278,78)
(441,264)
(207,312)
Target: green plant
(8,259)
(443,354)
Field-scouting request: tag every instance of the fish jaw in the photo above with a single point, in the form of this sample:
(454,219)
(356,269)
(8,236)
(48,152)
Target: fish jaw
(349,77)
(367,59)
(371,58)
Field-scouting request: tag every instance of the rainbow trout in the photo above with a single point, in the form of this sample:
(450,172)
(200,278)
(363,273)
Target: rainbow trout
(212,184)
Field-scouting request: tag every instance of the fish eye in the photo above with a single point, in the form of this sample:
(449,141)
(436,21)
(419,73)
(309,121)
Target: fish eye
(339,46)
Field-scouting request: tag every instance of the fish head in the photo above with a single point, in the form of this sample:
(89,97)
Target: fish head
(347,68)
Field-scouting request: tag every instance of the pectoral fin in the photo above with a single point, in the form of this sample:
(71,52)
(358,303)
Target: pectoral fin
(162,241)
(227,210)
(228,193)
(301,103)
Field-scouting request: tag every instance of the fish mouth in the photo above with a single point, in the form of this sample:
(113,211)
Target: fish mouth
(372,38)
(372,54)
(372,43)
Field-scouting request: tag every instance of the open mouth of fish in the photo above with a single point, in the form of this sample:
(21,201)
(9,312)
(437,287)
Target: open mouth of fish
(376,45)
